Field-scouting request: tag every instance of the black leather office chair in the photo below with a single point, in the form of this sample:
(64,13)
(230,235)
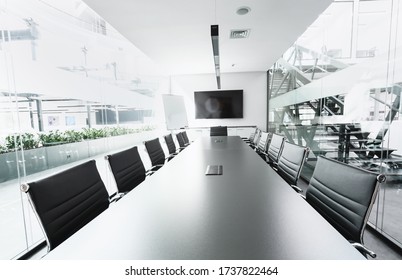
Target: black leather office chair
(253,144)
(251,137)
(171,145)
(67,201)
(127,168)
(185,138)
(263,142)
(291,162)
(156,154)
(344,195)
(219,131)
(275,149)
(181,140)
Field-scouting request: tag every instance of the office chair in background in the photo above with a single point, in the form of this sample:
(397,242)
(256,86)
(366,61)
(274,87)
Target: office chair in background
(127,168)
(156,154)
(253,144)
(185,138)
(290,163)
(262,145)
(219,131)
(274,150)
(182,142)
(251,137)
(171,145)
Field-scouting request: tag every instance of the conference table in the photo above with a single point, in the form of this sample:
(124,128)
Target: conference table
(179,213)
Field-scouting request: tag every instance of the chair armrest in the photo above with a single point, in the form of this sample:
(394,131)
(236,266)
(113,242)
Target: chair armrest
(116,197)
(364,250)
(156,167)
(149,172)
(268,160)
(263,153)
(153,169)
(169,157)
(273,164)
(296,188)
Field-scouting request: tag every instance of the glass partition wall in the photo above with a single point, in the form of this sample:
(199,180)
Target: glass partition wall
(71,88)
(338,91)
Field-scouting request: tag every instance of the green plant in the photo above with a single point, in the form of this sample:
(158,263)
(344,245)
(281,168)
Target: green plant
(26,141)
(72,136)
(55,137)
(147,128)
(11,142)
(94,133)
(52,138)
(115,131)
(29,141)
(3,149)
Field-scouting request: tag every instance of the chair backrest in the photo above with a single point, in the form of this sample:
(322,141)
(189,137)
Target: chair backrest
(127,168)
(219,131)
(252,134)
(67,201)
(343,195)
(257,136)
(275,148)
(268,141)
(180,139)
(262,142)
(291,162)
(170,143)
(185,138)
(155,151)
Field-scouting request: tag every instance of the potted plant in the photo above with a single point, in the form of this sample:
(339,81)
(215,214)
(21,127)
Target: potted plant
(52,138)
(37,152)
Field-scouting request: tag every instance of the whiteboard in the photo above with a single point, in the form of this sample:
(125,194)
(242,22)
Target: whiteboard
(175,111)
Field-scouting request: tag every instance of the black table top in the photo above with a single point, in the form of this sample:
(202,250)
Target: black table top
(248,212)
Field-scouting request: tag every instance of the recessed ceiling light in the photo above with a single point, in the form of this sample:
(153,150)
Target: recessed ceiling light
(243,11)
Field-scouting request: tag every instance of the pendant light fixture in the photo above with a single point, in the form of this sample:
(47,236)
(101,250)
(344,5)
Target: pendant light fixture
(215,49)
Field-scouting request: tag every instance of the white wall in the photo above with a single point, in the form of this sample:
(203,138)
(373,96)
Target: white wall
(254,85)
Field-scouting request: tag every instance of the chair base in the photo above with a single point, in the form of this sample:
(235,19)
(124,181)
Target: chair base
(364,250)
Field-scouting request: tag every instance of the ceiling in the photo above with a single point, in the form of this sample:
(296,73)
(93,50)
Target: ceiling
(176,33)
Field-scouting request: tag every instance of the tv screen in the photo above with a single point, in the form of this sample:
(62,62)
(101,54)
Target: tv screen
(218,104)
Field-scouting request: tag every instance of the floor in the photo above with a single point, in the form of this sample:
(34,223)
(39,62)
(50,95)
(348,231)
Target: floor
(384,248)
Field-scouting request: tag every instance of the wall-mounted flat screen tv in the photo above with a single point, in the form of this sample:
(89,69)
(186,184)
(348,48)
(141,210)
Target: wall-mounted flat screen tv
(218,104)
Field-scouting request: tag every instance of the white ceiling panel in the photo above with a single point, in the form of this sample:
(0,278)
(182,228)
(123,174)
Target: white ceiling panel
(176,33)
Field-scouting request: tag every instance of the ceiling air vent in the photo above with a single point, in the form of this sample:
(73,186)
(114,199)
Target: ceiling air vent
(239,33)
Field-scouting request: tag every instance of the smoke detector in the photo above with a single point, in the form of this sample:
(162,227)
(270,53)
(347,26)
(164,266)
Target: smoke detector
(243,11)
